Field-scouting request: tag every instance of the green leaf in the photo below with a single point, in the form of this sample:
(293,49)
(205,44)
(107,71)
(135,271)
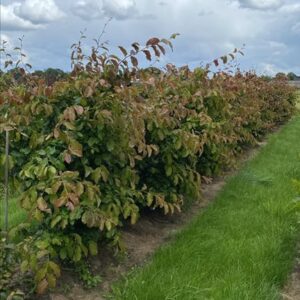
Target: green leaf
(63,253)
(77,254)
(51,171)
(133,218)
(55,268)
(93,248)
(149,199)
(24,266)
(168,170)
(75,148)
(110,146)
(55,221)
(43,244)
(174,35)
(51,280)
(96,175)
(41,273)
(42,253)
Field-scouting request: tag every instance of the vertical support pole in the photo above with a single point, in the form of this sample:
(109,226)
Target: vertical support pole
(6,183)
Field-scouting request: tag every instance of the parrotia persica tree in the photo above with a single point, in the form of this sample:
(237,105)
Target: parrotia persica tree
(90,150)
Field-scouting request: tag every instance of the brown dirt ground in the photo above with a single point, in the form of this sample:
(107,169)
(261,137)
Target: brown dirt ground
(291,290)
(141,240)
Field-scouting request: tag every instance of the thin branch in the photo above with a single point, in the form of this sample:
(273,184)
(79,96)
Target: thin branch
(6,180)
(102,33)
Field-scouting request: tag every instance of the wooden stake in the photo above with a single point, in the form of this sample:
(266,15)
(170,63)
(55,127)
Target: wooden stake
(6,181)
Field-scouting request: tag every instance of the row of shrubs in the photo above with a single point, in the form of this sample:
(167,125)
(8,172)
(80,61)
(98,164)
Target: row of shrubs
(91,151)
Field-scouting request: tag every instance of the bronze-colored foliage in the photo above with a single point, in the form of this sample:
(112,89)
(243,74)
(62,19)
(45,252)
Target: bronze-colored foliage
(93,149)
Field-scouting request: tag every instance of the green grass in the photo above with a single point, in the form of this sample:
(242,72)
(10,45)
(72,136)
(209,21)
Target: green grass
(16,214)
(242,246)
(298,100)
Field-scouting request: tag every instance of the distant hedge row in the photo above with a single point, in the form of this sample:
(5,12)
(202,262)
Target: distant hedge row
(95,148)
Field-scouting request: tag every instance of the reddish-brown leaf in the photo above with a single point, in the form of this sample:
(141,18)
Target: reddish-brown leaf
(56,133)
(42,204)
(60,202)
(73,198)
(162,49)
(22,71)
(42,287)
(48,91)
(152,41)
(88,92)
(79,109)
(69,114)
(123,50)
(70,206)
(134,61)
(136,46)
(156,52)
(67,158)
(147,54)
(94,56)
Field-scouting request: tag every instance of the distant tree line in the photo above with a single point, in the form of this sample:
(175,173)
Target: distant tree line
(292,76)
(50,75)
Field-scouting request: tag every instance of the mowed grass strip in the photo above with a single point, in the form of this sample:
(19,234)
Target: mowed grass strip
(16,214)
(242,246)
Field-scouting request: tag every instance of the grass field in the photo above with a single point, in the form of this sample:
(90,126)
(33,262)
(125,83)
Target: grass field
(242,246)
(15,214)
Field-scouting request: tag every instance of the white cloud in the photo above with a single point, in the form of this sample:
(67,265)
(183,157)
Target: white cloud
(10,21)
(162,3)
(203,13)
(208,29)
(261,4)
(38,12)
(119,9)
(28,15)
(290,8)
(269,69)
(296,28)
(87,9)
(277,48)
(272,69)
(277,45)
(93,9)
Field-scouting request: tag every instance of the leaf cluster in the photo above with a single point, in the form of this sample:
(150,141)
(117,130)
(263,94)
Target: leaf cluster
(92,150)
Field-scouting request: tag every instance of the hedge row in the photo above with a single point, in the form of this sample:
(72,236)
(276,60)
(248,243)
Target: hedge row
(94,149)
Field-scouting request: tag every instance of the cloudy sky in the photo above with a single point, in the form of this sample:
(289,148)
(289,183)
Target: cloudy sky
(208,29)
